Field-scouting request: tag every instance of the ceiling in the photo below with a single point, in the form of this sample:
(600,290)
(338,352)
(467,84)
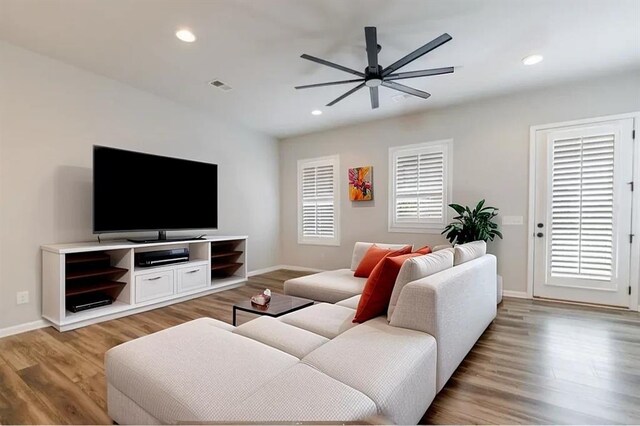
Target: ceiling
(254,46)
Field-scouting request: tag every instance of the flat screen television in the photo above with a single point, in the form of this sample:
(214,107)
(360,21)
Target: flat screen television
(133,191)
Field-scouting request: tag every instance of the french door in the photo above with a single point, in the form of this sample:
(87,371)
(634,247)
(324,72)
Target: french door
(583,212)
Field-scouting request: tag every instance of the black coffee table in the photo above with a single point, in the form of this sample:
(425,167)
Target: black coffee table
(280,304)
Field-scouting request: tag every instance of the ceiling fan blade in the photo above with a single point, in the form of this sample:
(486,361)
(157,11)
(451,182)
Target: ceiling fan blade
(331,64)
(375,102)
(422,73)
(335,101)
(402,88)
(437,42)
(331,83)
(370,35)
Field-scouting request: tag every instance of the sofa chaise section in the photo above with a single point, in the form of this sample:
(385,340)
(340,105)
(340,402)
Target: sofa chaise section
(334,286)
(206,371)
(327,286)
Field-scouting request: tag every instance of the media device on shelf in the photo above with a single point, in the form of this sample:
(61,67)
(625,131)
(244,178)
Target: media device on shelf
(162,257)
(82,302)
(134,191)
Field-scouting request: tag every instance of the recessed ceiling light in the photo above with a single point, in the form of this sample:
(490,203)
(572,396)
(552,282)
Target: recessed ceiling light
(316,112)
(532,59)
(186,35)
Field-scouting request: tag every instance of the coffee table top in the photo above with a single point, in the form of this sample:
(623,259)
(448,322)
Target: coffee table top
(280,304)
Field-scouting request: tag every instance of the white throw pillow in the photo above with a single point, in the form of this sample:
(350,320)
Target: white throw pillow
(469,251)
(416,268)
(442,247)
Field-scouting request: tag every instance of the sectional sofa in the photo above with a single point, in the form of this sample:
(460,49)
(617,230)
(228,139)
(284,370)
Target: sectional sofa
(315,364)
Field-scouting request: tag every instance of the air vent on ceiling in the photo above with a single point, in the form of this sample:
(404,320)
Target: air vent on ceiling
(220,85)
(401,98)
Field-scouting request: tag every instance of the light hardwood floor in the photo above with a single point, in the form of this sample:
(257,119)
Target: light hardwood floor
(539,362)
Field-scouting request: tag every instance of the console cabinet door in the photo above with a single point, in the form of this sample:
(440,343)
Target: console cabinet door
(191,278)
(154,285)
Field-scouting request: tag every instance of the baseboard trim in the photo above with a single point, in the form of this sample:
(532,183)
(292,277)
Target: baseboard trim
(516,294)
(277,267)
(23,328)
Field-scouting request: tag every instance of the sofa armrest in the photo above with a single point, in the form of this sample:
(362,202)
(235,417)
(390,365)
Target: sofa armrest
(455,306)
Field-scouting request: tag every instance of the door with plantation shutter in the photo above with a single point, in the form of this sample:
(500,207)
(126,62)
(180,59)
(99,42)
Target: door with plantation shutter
(583,213)
(318,201)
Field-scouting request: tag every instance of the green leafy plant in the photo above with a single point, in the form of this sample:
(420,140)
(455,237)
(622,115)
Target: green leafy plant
(472,225)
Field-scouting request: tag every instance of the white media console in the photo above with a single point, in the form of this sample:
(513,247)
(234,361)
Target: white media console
(68,270)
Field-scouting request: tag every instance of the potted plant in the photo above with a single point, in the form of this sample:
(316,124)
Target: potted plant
(472,225)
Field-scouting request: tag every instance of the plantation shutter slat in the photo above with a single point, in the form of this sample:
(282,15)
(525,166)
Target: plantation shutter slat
(317,190)
(582,189)
(419,187)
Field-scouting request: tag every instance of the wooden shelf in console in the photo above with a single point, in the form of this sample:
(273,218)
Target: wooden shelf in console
(225,254)
(92,287)
(92,273)
(217,266)
(91,257)
(226,258)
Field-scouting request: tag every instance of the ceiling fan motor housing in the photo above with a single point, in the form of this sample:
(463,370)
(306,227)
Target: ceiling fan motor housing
(373,79)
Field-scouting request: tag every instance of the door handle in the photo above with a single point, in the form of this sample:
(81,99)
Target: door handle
(539,235)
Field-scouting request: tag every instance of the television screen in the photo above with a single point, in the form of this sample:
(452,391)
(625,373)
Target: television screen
(133,191)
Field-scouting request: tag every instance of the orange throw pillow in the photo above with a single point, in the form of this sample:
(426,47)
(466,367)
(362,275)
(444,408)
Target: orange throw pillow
(423,250)
(378,288)
(373,256)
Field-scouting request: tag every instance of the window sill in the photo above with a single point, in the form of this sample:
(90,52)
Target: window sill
(416,230)
(334,243)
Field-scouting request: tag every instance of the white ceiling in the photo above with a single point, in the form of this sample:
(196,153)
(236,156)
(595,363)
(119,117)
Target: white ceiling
(254,46)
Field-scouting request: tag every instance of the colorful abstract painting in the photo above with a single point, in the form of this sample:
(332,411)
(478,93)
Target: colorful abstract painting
(360,184)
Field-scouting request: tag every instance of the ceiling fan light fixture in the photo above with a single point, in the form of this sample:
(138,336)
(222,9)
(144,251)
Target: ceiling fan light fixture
(186,35)
(373,82)
(532,59)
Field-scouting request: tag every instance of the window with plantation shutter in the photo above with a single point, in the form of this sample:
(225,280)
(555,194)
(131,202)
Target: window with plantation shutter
(419,186)
(582,208)
(318,200)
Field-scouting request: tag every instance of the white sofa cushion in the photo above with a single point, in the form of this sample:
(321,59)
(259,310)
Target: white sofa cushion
(328,286)
(188,372)
(419,267)
(360,249)
(279,335)
(351,302)
(394,367)
(304,394)
(469,251)
(324,319)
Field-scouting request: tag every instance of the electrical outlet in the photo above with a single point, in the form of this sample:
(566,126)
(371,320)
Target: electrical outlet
(22,297)
(512,220)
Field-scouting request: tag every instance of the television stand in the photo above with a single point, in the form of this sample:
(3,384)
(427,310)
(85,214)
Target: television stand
(71,271)
(162,236)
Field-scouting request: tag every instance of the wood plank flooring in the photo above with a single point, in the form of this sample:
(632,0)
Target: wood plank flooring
(539,362)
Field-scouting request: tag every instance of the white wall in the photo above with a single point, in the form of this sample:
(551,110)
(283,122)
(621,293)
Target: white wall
(491,160)
(50,116)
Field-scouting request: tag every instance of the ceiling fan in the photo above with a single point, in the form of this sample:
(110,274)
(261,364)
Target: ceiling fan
(374,75)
